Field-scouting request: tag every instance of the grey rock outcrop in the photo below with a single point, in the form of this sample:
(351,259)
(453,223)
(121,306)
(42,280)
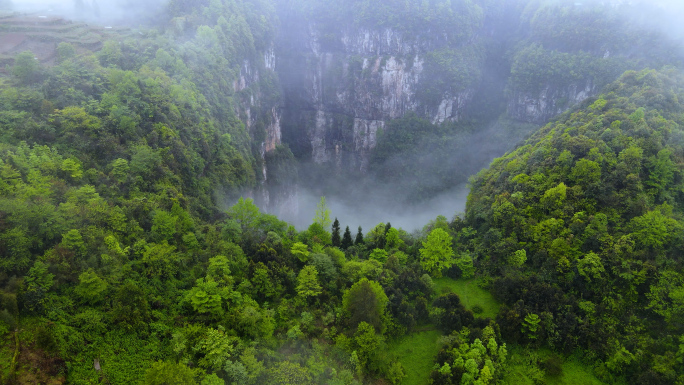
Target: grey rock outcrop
(260,111)
(341,93)
(540,107)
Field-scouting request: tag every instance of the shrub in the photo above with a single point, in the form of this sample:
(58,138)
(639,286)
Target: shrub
(553,366)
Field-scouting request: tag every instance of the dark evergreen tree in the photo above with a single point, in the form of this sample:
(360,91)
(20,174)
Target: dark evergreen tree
(336,233)
(347,241)
(382,239)
(359,237)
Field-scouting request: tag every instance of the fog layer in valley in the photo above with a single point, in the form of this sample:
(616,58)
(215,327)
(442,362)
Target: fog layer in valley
(366,200)
(368,213)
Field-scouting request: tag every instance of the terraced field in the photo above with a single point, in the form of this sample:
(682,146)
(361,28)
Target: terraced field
(41,35)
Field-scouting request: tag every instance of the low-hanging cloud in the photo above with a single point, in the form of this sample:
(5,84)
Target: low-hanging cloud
(374,209)
(366,201)
(370,202)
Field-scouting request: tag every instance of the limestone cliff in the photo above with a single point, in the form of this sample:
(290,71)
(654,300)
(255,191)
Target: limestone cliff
(550,101)
(340,92)
(260,110)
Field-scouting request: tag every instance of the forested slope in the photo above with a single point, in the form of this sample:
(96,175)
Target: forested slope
(136,145)
(582,229)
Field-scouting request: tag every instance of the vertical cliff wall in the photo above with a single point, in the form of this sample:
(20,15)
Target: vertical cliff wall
(552,100)
(260,108)
(347,69)
(341,90)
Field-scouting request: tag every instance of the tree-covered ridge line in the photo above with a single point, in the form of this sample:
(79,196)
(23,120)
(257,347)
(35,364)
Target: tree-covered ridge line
(582,227)
(111,117)
(569,43)
(452,20)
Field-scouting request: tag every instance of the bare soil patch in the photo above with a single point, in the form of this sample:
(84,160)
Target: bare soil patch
(9,41)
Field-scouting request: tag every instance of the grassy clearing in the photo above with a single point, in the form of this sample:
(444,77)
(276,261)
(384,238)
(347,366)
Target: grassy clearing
(523,369)
(470,294)
(517,376)
(574,372)
(6,353)
(417,352)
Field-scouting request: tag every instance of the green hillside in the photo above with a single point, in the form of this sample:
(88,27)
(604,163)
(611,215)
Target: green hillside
(582,226)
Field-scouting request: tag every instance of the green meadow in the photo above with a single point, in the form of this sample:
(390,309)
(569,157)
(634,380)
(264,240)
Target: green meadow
(417,352)
(523,369)
(471,295)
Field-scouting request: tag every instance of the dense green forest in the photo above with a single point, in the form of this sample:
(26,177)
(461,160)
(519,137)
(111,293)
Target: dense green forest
(128,254)
(581,231)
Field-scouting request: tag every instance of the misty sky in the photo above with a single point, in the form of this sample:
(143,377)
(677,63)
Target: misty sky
(95,11)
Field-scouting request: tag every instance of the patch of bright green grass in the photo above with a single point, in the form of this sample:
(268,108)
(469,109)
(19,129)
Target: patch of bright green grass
(517,376)
(416,352)
(523,369)
(6,354)
(470,295)
(574,372)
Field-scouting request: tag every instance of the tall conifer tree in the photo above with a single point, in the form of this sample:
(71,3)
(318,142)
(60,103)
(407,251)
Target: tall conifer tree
(359,237)
(347,241)
(336,233)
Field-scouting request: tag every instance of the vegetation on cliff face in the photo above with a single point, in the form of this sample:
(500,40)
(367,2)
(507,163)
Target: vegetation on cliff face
(116,158)
(452,20)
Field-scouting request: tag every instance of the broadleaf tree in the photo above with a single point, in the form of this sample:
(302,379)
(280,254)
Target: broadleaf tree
(437,253)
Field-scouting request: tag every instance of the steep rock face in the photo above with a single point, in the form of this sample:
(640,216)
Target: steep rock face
(340,92)
(540,107)
(252,102)
(260,111)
